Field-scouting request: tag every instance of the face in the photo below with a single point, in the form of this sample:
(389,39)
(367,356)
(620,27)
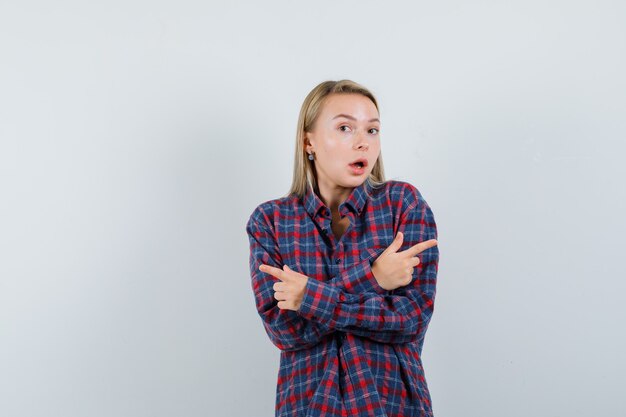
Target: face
(346,130)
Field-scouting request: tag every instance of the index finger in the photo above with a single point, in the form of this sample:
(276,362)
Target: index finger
(277,272)
(421,247)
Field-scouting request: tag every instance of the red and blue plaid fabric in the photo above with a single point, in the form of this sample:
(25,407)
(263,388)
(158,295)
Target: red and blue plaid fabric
(353,348)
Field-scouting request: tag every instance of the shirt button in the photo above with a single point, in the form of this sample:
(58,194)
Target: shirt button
(338,260)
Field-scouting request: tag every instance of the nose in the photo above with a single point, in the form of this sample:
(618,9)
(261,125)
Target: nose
(361,144)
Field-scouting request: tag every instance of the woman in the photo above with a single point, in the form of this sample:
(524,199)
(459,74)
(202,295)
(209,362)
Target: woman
(336,269)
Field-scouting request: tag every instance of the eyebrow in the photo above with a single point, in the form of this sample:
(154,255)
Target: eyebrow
(347,116)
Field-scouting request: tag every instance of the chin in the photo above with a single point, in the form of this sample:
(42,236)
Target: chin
(356,181)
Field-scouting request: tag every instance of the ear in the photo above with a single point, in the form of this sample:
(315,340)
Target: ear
(308,146)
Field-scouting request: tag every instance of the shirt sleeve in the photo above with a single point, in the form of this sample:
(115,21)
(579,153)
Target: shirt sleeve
(359,278)
(399,316)
(286,328)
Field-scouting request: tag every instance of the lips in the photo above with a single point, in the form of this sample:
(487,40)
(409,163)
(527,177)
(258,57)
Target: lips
(361,162)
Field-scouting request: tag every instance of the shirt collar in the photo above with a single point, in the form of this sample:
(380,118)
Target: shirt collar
(356,201)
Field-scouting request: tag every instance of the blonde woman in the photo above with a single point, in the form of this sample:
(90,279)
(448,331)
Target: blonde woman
(344,268)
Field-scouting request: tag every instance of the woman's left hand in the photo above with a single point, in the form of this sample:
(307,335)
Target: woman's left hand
(290,290)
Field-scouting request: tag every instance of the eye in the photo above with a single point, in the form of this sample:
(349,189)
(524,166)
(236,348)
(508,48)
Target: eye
(377,131)
(340,127)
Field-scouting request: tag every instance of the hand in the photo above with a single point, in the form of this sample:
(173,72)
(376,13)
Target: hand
(290,291)
(395,269)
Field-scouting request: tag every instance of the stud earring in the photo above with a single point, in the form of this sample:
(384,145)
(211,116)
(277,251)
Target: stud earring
(311,157)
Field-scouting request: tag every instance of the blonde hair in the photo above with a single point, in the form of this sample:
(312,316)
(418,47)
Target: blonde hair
(304,174)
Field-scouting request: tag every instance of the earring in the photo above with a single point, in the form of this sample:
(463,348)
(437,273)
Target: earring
(311,157)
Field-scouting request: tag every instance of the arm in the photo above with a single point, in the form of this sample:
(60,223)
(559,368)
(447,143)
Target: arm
(400,317)
(359,278)
(285,328)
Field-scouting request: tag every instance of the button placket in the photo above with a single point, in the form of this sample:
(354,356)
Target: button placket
(338,253)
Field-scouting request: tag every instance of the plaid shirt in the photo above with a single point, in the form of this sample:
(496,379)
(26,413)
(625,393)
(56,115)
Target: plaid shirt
(353,348)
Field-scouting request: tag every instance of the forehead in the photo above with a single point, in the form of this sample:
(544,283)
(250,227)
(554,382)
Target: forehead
(355,105)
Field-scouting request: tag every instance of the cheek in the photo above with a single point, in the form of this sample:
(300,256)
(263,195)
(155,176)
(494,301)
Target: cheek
(336,149)
(332,144)
(375,148)
(336,159)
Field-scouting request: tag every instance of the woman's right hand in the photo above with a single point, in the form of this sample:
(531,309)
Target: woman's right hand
(394,269)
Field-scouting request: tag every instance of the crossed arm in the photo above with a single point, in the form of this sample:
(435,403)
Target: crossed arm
(352,301)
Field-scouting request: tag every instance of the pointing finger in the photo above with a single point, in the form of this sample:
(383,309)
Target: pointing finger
(421,247)
(276,272)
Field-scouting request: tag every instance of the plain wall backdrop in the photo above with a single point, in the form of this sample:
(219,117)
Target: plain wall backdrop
(136,138)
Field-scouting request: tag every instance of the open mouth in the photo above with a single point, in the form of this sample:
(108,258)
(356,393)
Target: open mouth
(359,163)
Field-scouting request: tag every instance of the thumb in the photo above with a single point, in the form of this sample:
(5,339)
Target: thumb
(286,269)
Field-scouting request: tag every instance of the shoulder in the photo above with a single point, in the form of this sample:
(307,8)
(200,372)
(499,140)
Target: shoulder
(269,212)
(412,209)
(400,194)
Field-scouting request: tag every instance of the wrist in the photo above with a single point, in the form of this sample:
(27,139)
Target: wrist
(377,276)
(374,269)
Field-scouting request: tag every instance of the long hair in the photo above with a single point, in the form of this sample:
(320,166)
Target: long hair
(304,174)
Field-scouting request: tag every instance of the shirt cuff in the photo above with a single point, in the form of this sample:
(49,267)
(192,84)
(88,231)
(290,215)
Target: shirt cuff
(360,278)
(320,301)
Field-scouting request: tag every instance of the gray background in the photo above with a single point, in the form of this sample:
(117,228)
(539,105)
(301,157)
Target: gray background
(138,136)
